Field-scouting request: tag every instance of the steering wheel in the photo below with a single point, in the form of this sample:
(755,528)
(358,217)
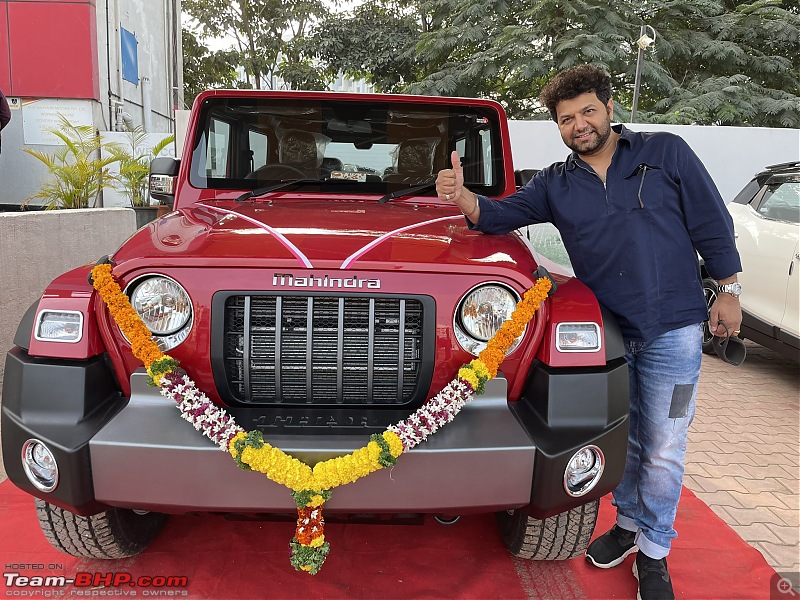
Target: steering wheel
(277,171)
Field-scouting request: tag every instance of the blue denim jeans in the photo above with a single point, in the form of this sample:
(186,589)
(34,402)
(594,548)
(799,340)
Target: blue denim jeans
(663,384)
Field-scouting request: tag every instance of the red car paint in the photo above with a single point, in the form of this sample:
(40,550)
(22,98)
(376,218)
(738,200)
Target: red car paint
(418,243)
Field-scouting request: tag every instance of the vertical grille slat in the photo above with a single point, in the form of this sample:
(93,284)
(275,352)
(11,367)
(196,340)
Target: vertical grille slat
(316,349)
(246,349)
(401,355)
(340,352)
(371,351)
(310,346)
(278,344)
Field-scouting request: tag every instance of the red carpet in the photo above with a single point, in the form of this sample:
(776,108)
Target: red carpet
(226,560)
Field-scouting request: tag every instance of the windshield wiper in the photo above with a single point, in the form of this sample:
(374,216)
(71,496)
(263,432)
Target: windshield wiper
(275,187)
(407,191)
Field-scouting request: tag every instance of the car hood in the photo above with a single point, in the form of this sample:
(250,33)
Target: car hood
(323,235)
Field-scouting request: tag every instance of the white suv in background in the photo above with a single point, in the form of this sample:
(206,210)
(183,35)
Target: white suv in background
(766,216)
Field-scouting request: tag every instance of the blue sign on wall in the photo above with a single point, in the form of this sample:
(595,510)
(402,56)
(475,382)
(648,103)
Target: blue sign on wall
(130,56)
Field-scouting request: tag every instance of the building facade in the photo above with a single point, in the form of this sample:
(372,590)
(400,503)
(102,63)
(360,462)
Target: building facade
(105,63)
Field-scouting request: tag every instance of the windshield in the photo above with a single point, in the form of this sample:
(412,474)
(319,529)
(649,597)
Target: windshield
(246,143)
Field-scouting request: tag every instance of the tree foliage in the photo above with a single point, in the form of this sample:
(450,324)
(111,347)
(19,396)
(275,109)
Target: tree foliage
(731,62)
(375,42)
(204,69)
(267,37)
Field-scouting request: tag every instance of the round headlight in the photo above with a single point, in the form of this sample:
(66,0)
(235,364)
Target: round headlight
(485,309)
(162,304)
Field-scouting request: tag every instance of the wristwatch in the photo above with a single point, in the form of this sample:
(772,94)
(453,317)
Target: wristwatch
(734,289)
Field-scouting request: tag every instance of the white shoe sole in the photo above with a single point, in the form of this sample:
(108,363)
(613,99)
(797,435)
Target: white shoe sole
(613,563)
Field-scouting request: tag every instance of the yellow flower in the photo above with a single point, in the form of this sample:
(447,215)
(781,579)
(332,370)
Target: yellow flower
(317,542)
(395,443)
(480,368)
(469,376)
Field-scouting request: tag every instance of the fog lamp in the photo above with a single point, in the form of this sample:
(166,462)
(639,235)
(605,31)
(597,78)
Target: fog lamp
(40,465)
(583,470)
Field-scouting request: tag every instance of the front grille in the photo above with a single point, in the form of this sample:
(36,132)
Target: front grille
(320,349)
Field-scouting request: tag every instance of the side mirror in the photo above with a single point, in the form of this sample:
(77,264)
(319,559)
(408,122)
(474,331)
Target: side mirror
(163,173)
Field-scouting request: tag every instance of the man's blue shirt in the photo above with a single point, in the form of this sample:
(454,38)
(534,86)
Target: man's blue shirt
(632,240)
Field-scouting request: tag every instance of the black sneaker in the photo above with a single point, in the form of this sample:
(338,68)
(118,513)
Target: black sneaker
(653,577)
(611,548)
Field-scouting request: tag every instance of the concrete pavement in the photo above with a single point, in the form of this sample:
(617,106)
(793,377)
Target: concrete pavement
(743,457)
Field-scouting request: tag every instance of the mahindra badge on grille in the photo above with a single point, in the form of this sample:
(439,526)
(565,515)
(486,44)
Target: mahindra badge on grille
(289,280)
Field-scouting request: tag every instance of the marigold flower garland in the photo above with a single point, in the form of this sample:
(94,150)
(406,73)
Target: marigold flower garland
(311,487)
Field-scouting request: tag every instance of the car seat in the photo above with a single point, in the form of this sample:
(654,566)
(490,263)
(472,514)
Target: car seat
(298,157)
(414,162)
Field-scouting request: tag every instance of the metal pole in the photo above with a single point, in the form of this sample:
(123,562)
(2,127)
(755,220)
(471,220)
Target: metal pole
(637,79)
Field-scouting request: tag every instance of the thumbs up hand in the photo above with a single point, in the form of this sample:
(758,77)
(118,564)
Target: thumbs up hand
(450,182)
(450,186)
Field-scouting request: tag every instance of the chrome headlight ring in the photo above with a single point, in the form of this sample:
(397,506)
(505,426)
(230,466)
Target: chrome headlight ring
(164,306)
(480,314)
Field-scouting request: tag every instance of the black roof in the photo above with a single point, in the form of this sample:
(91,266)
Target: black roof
(788,168)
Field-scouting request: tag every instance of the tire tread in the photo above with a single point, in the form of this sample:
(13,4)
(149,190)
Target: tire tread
(560,537)
(115,533)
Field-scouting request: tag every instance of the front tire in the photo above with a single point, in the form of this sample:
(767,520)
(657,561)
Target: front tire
(559,537)
(114,533)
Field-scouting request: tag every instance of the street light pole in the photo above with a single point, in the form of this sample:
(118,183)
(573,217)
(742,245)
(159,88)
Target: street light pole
(644,42)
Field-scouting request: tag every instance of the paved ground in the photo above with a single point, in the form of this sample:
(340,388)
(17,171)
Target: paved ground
(743,456)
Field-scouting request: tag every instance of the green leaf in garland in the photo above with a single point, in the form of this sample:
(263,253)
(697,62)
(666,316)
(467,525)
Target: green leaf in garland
(385,458)
(303,497)
(308,558)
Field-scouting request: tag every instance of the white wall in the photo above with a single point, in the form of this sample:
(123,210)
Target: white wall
(36,247)
(732,155)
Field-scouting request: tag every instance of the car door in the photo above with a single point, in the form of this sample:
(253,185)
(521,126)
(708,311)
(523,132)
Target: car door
(791,318)
(767,235)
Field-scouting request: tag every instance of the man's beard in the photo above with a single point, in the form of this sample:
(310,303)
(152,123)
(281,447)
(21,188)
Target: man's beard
(592,144)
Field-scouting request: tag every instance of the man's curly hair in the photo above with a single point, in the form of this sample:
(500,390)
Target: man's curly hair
(572,82)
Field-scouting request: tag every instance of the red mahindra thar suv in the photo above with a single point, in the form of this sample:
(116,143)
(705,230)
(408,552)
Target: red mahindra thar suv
(310,282)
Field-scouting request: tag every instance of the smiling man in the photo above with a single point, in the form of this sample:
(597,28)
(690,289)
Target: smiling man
(633,210)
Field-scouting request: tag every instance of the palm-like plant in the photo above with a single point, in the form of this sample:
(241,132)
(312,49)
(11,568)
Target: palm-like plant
(134,166)
(79,169)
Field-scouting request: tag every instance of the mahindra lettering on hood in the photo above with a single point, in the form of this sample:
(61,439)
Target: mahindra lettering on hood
(309,290)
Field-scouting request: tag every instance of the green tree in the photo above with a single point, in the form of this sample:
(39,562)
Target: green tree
(732,62)
(376,41)
(134,165)
(267,35)
(204,69)
(79,167)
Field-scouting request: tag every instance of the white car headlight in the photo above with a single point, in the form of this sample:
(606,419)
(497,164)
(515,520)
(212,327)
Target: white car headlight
(162,304)
(578,337)
(481,314)
(165,308)
(59,326)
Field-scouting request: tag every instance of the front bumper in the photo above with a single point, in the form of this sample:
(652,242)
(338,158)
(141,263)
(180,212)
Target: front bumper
(138,453)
